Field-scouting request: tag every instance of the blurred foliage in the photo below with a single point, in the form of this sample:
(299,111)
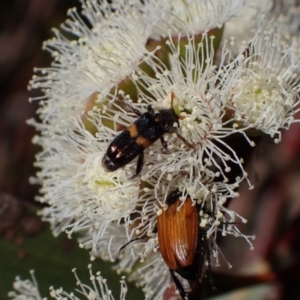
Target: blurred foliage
(52,259)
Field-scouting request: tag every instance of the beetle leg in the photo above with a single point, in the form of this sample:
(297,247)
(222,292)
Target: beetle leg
(172,99)
(206,253)
(179,286)
(210,276)
(173,130)
(165,151)
(154,229)
(139,164)
(150,109)
(213,216)
(163,142)
(136,111)
(170,129)
(165,146)
(184,140)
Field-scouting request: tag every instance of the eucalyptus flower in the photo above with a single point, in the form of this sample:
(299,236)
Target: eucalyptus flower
(110,71)
(92,54)
(287,12)
(28,289)
(80,194)
(192,16)
(263,80)
(25,289)
(241,26)
(190,87)
(98,289)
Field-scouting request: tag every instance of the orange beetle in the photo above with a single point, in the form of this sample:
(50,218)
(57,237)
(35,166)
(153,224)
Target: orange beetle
(182,243)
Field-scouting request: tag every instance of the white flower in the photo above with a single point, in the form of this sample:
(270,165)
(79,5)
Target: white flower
(80,194)
(98,290)
(263,80)
(285,17)
(191,88)
(25,289)
(83,198)
(28,290)
(192,16)
(104,51)
(86,105)
(240,28)
(287,11)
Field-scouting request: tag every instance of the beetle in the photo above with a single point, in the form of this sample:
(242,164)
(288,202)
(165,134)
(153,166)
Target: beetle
(146,130)
(182,243)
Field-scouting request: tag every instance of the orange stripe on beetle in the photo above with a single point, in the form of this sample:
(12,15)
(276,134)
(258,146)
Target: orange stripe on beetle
(145,143)
(133,131)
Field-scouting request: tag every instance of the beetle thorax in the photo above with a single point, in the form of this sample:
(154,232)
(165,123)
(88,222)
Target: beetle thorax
(166,117)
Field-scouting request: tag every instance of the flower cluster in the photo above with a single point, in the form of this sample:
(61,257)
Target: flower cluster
(128,58)
(28,289)
(25,289)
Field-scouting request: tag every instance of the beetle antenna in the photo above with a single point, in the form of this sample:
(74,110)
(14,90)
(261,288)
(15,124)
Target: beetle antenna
(125,245)
(134,110)
(172,99)
(184,140)
(138,238)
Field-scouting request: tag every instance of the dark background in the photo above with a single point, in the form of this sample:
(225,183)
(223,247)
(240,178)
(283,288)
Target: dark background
(25,242)
(272,208)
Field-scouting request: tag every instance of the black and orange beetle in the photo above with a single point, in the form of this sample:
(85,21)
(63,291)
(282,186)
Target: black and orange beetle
(182,243)
(146,130)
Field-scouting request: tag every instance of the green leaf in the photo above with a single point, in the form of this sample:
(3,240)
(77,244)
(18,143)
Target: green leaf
(53,260)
